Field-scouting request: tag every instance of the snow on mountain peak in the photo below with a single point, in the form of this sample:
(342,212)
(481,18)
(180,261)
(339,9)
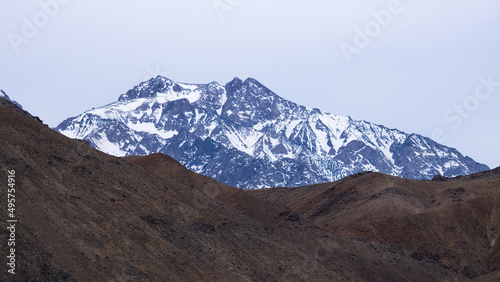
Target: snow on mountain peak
(5,96)
(162,90)
(245,135)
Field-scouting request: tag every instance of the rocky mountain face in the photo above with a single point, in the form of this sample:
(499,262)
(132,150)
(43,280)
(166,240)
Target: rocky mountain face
(5,96)
(244,135)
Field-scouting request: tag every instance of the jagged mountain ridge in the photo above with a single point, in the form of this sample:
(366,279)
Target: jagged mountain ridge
(5,96)
(246,136)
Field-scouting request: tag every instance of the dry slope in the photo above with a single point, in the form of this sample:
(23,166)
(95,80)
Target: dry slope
(87,216)
(455,222)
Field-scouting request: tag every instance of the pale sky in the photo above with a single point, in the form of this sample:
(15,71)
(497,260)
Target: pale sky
(418,66)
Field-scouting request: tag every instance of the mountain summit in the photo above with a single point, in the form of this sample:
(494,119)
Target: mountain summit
(5,96)
(245,135)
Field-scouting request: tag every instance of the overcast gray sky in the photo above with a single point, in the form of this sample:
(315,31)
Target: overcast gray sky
(419,66)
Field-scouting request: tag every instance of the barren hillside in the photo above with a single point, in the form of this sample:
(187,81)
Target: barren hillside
(87,216)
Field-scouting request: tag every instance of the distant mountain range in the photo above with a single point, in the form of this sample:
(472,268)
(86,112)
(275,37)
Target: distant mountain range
(244,135)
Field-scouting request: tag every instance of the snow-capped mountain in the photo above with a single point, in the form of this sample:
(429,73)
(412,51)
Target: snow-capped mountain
(5,96)
(245,135)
